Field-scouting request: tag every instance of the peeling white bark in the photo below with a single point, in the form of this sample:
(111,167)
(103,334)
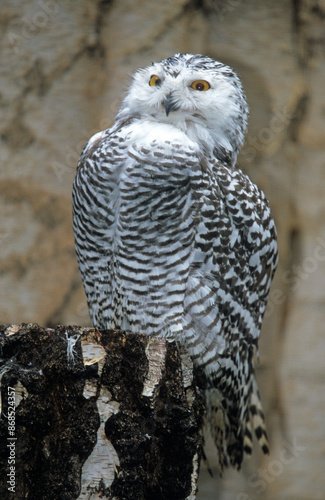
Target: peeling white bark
(99,469)
(92,352)
(156,353)
(194,477)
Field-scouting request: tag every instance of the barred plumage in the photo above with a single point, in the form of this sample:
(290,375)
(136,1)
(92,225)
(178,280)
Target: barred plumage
(173,240)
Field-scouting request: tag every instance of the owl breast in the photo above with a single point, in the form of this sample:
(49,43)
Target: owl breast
(145,214)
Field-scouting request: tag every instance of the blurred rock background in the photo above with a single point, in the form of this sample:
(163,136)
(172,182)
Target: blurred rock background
(64,68)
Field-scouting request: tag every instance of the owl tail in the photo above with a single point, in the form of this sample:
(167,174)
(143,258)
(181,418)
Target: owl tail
(233,437)
(256,422)
(217,425)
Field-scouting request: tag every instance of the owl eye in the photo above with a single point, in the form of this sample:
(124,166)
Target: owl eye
(154,81)
(200,85)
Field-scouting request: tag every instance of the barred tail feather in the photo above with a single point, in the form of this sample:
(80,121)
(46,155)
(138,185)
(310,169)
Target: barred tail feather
(257,418)
(224,430)
(217,425)
(231,436)
(248,438)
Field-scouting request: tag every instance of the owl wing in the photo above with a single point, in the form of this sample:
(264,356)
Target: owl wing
(93,185)
(234,262)
(247,242)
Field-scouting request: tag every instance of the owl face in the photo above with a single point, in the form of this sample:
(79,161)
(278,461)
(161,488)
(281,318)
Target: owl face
(195,93)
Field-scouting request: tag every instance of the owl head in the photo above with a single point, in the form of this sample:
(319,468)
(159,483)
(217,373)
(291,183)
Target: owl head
(202,97)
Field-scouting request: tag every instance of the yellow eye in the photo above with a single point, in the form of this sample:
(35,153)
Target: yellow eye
(200,85)
(154,81)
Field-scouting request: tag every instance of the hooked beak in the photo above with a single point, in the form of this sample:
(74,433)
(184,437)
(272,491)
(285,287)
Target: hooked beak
(170,104)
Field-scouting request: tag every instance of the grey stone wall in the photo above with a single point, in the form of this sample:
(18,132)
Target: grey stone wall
(64,69)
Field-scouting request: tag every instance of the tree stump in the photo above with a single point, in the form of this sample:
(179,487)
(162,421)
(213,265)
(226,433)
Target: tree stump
(89,414)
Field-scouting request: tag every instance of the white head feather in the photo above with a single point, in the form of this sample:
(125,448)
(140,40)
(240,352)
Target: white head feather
(216,118)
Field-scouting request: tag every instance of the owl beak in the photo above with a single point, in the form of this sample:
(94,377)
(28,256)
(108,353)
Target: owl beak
(170,104)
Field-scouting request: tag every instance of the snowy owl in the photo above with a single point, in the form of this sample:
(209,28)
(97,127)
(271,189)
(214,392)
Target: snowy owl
(174,241)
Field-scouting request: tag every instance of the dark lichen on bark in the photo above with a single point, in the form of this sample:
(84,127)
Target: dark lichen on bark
(156,435)
(156,443)
(56,427)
